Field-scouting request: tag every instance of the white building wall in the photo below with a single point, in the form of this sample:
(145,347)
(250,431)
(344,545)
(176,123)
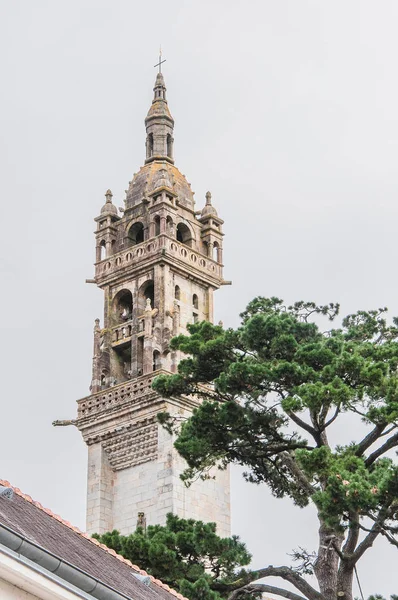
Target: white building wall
(11,592)
(19,581)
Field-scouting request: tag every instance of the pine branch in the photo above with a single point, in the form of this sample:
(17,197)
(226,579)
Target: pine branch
(353,535)
(390,443)
(370,439)
(375,531)
(296,472)
(306,426)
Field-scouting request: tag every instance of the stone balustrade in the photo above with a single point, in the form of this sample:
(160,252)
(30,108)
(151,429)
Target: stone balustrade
(134,389)
(136,254)
(121,333)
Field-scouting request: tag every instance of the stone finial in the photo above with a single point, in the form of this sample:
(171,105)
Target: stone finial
(209,208)
(108,208)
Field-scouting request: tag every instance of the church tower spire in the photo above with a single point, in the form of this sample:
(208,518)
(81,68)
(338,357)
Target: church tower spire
(157,264)
(159,125)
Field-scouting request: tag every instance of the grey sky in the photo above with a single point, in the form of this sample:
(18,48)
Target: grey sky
(285,110)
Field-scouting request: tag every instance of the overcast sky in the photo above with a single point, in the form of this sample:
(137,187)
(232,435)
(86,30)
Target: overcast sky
(285,110)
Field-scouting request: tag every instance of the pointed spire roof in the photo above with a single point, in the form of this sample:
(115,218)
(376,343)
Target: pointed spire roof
(159,125)
(159,107)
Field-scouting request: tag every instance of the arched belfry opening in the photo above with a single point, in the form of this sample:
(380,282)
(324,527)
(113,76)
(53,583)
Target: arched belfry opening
(184,234)
(157,225)
(136,234)
(147,290)
(122,306)
(216,251)
(102,250)
(156,360)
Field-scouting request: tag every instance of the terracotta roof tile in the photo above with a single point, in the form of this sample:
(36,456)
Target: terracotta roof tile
(41,526)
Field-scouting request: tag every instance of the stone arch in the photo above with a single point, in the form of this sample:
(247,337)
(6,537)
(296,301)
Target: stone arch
(102,247)
(136,233)
(216,251)
(156,362)
(184,234)
(177,292)
(169,226)
(147,290)
(195,302)
(157,225)
(122,307)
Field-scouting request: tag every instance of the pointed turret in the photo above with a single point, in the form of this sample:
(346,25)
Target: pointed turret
(159,125)
(109,208)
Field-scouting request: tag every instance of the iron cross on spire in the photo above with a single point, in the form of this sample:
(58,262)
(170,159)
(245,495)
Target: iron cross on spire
(159,64)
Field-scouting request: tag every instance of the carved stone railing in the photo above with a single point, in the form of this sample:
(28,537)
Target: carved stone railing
(132,390)
(149,248)
(121,333)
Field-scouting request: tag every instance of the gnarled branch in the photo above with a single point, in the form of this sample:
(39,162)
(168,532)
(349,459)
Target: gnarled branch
(270,589)
(287,574)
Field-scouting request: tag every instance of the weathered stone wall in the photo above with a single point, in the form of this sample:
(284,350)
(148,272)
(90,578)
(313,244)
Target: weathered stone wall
(116,497)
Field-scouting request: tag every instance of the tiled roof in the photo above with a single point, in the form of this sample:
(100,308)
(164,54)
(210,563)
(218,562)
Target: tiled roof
(48,530)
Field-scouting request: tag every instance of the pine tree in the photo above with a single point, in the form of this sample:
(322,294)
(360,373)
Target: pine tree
(273,391)
(186,554)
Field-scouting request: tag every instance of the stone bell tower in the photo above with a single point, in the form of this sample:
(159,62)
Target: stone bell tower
(157,263)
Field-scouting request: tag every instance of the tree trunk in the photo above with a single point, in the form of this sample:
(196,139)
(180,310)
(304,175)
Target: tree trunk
(327,563)
(345,581)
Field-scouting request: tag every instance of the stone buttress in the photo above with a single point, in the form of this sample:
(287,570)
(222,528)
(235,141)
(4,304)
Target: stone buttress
(158,262)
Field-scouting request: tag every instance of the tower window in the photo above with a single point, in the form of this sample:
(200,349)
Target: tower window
(147,290)
(169,226)
(102,250)
(184,234)
(157,225)
(195,301)
(177,292)
(136,233)
(156,360)
(216,249)
(103,380)
(122,306)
